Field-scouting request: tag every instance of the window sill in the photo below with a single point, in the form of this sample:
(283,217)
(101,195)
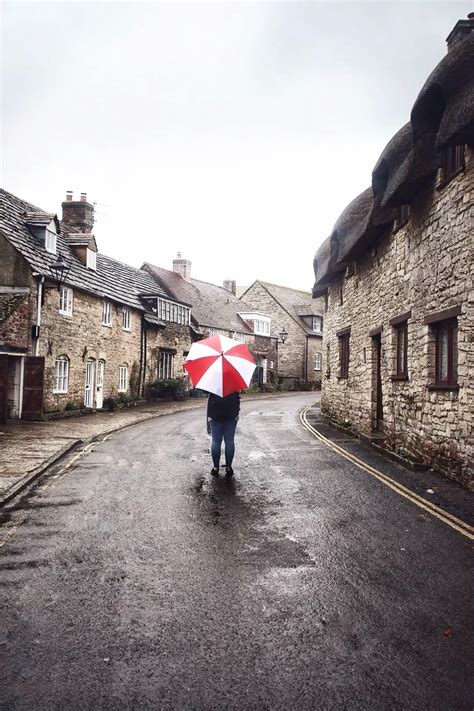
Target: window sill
(128,330)
(446,181)
(60,392)
(399,378)
(342,377)
(447,388)
(63,313)
(399,227)
(107,325)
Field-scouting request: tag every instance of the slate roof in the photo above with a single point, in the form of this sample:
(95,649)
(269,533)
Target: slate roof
(212,305)
(297,303)
(442,115)
(113,280)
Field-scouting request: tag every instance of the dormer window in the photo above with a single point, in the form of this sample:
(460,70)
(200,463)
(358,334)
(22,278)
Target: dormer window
(171,311)
(91,259)
(50,241)
(317,324)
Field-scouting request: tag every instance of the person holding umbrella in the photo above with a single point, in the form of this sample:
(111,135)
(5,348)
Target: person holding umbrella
(223,367)
(222,417)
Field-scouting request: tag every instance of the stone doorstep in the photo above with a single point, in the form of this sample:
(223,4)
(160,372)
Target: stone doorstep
(376,439)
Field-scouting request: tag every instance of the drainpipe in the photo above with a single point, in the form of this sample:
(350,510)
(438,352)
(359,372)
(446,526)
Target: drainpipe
(38,312)
(306,360)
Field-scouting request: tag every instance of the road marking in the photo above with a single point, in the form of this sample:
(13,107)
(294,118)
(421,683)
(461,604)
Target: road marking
(460,526)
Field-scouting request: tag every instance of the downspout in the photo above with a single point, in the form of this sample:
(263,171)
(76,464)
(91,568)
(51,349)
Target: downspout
(38,313)
(145,348)
(306,360)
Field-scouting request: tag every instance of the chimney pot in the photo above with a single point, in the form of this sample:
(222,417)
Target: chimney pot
(83,197)
(69,195)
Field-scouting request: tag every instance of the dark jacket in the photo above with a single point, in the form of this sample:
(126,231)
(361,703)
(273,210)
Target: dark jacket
(223,408)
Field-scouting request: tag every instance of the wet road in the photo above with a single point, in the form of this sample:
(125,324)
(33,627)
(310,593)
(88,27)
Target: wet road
(136,580)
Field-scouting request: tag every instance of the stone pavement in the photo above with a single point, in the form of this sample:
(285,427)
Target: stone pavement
(29,448)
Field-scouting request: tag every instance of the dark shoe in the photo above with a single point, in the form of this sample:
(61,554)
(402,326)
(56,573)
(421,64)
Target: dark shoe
(229,471)
(215,471)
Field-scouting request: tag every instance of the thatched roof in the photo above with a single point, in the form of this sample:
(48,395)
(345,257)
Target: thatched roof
(442,115)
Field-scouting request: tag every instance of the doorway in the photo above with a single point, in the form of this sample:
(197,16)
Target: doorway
(377,395)
(99,395)
(89,384)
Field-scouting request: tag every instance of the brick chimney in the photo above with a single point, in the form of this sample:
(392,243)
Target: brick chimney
(460,31)
(230,285)
(78,213)
(182,266)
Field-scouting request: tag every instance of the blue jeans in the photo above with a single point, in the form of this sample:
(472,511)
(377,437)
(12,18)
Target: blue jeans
(226,430)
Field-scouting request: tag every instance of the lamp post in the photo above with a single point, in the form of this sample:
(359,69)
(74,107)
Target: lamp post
(59,270)
(283,335)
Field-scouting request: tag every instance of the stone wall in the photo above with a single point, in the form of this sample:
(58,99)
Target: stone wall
(14,328)
(82,337)
(423,268)
(292,353)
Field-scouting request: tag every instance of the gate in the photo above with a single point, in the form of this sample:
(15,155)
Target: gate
(33,386)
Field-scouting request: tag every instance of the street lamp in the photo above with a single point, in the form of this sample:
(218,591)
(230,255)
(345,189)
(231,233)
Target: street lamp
(59,270)
(283,334)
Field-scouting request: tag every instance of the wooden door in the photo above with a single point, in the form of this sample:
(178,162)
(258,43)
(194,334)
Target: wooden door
(33,387)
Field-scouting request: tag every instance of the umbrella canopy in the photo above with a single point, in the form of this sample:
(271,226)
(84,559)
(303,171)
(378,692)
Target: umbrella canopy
(220,365)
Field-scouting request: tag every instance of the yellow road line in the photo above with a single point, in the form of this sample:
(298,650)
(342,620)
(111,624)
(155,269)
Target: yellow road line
(456,523)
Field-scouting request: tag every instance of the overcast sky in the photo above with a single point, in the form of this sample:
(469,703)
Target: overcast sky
(235,133)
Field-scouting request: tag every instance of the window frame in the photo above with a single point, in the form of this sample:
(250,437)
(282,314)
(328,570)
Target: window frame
(126,319)
(123,381)
(165,365)
(453,161)
(107,312)
(91,259)
(449,326)
(68,300)
(318,357)
(401,350)
(317,319)
(61,377)
(402,216)
(50,241)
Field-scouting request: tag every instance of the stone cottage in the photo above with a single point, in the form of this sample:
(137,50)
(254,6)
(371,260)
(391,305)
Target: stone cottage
(217,310)
(298,319)
(396,275)
(76,327)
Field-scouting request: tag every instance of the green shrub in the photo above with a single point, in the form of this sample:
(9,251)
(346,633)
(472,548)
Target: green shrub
(69,406)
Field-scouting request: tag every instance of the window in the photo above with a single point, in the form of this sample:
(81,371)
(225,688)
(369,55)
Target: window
(125,319)
(106,314)
(238,337)
(446,343)
(91,259)
(123,379)
(402,216)
(401,342)
(452,161)
(318,361)
(65,301)
(261,327)
(344,354)
(317,324)
(171,311)
(61,374)
(50,241)
(165,365)
(444,348)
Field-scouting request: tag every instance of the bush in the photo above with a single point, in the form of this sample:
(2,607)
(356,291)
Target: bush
(109,404)
(69,406)
(175,388)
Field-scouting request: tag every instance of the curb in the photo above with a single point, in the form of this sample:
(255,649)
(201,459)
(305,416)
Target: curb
(30,477)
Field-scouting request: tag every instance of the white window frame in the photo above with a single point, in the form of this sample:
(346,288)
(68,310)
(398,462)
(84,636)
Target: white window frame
(61,375)
(172,311)
(317,320)
(91,259)
(123,379)
(50,241)
(66,299)
(106,314)
(126,319)
(165,365)
(318,362)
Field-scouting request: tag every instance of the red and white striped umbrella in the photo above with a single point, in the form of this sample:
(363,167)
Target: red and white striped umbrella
(220,365)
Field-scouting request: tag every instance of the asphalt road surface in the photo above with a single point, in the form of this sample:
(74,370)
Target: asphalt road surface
(136,580)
